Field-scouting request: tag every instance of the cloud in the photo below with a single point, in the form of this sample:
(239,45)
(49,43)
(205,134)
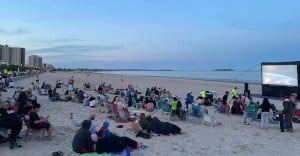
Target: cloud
(18,31)
(76,49)
(66,40)
(74,54)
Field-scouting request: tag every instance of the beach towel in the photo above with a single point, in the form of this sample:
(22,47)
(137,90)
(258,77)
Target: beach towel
(123,153)
(89,154)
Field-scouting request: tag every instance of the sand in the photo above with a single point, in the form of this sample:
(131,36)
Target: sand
(231,138)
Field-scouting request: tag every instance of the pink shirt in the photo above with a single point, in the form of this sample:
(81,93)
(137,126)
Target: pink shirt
(149,106)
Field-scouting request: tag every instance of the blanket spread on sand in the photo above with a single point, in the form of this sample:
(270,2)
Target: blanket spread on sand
(124,153)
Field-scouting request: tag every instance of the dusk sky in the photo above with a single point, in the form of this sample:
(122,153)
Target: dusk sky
(154,34)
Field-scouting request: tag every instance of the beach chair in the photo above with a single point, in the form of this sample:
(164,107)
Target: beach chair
(208,120)
(196,111)
(195,114)
(159,103)
(30,130)
(166,109)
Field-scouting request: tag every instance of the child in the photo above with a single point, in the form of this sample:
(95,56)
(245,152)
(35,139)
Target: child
(251,111)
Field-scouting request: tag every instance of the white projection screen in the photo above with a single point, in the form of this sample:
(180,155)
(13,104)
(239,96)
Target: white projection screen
(281,75)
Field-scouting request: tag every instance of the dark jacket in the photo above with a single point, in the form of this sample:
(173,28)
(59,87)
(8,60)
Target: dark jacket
(288,107)
(10,120)
(265,107)
(156,126)
(189,98)
(144,124)
(110,144)
(82,138)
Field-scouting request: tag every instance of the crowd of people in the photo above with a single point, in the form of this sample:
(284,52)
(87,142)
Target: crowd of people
(88,139)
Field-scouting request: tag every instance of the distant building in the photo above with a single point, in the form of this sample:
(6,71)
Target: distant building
(48,66)
(35,61)
(12,55)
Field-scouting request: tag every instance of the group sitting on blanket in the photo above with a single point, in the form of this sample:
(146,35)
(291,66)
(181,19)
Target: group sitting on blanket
(83,143)
(153,124)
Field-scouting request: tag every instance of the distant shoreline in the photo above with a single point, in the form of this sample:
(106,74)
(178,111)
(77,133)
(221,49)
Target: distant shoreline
(186,78)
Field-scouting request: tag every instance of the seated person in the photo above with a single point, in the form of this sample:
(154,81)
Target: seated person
(10,120)
(121,109)
(115,144)
(82,141)
(149,107)
(236,106)
(80,96)
(159,127)
(117,92)
(143,122)
(92,102)
(78,123)
(105,129)
(39,122)
(134,126)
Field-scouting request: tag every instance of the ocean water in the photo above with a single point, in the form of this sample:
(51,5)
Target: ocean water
(227,76)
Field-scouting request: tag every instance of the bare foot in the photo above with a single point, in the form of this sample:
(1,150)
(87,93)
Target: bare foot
(139,144)
(182,132)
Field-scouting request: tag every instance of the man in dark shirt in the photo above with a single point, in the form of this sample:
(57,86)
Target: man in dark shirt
(39,122)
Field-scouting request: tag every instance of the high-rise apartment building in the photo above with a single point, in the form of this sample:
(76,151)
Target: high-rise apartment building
(35,61)
(12,55)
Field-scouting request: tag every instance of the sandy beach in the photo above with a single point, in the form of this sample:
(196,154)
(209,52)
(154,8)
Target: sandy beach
(231,138)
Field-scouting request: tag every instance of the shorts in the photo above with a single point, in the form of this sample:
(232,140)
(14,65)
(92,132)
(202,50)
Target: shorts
(174,112)
(45,125)
(250,114)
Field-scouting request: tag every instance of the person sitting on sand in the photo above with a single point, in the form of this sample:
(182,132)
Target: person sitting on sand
(115,144)
(105,129)
(134,126)
(160,127)
(39,122)
(78,123)
(82,141)
(143,122)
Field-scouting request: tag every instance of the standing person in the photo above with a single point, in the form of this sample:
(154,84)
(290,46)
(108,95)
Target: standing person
(189,99)
(37,81)
(265,113)
(203,94)
(288,110)
(224,102)
(174,108)
(246,99)
(293,100)
(123,86)
(233,92)
(71,80)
